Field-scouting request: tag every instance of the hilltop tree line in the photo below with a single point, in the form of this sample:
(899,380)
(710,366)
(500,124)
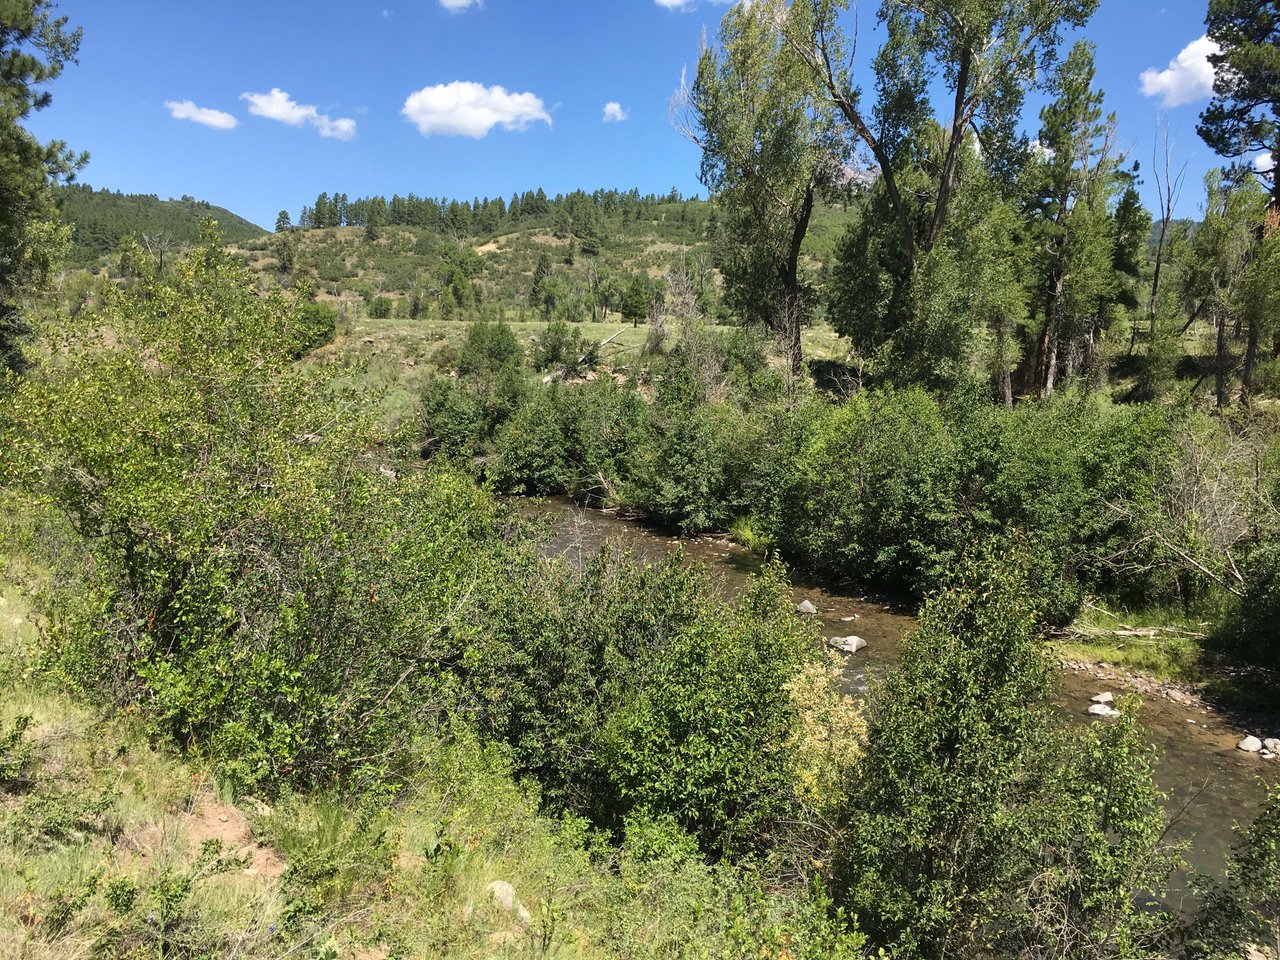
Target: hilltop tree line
(579,212)
(100,220)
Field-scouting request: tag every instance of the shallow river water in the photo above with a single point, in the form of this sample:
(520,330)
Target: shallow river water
(1210,784)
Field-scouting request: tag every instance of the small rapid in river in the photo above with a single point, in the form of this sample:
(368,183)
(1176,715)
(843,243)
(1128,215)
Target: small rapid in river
(1210,784)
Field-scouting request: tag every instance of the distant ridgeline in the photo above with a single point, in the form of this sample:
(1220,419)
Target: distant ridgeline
(102,218)
(482,216)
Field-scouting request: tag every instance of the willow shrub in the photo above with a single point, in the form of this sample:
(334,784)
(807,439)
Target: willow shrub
(627,689)
(260,588)
(979,822)
(871,492)
(890,487)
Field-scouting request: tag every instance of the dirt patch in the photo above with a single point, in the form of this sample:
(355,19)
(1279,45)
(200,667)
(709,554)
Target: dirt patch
(549,240)
(491,247)
(226,824)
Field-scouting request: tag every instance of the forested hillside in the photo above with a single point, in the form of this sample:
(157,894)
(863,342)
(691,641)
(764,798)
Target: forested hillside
(101,219)
(576,257)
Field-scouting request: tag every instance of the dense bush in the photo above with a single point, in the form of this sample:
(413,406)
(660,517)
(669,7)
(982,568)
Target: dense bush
(460,416)
(626,688)
(872,493)
(268,594)
(979,823)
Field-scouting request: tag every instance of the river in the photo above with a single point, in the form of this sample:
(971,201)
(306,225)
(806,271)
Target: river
(1210,785)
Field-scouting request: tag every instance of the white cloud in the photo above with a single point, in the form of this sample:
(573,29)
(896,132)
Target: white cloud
(613,112)
(1264,163)
(686,4)
(278,105)
(187,110)
(1188,78)
(458,6)
(469,109)
(1038,149)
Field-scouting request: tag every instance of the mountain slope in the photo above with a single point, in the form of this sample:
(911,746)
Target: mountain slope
(102,218)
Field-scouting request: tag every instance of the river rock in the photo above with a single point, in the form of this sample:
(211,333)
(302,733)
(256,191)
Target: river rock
(847,644)
(1104,710)
(1250,745)
(1272,744)
(1104,698)
(504,895)
(806,607)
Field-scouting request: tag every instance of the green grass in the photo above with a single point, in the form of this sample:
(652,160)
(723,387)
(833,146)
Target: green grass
(1160,643)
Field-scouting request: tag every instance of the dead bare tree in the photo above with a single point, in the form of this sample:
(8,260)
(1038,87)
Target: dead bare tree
(1169,189)
(1210,507)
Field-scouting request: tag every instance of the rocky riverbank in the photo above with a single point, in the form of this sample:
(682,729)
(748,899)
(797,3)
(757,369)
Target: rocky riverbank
(1264,743)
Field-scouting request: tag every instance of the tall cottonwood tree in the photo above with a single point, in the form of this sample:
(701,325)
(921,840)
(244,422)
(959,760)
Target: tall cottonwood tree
(34,48)
(769,150)
(986,55)
(1242,123)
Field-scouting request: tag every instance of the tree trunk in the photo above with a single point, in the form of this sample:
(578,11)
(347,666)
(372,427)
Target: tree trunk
(1042,356)
(1250,361)
(1004,379)
(1220,373)
(789,322)
(1051,373)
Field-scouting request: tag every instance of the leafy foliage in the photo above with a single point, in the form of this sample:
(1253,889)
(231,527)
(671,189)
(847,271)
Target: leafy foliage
(975,819)
(244,590)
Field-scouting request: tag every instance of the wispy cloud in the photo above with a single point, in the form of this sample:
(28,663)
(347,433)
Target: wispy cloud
(458,6)
(1188,78)
(205,116)
(613,112)
(278,105)
(469,109)
(685,4)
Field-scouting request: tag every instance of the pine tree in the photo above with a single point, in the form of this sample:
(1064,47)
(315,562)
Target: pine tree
(1242,124)
(34,48)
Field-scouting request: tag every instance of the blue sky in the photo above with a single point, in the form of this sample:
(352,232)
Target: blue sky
(260,106)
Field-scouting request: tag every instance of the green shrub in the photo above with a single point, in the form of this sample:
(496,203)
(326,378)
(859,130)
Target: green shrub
(530,454)
(977,821)
(562,348)
(259,586)
(1252,631)
(873,492)
(1243,908)
(624,688)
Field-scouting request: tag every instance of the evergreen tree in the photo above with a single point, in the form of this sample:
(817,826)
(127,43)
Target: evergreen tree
(34,48)
(282,221)
(320,213)
(1242,123)
(1075,178)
